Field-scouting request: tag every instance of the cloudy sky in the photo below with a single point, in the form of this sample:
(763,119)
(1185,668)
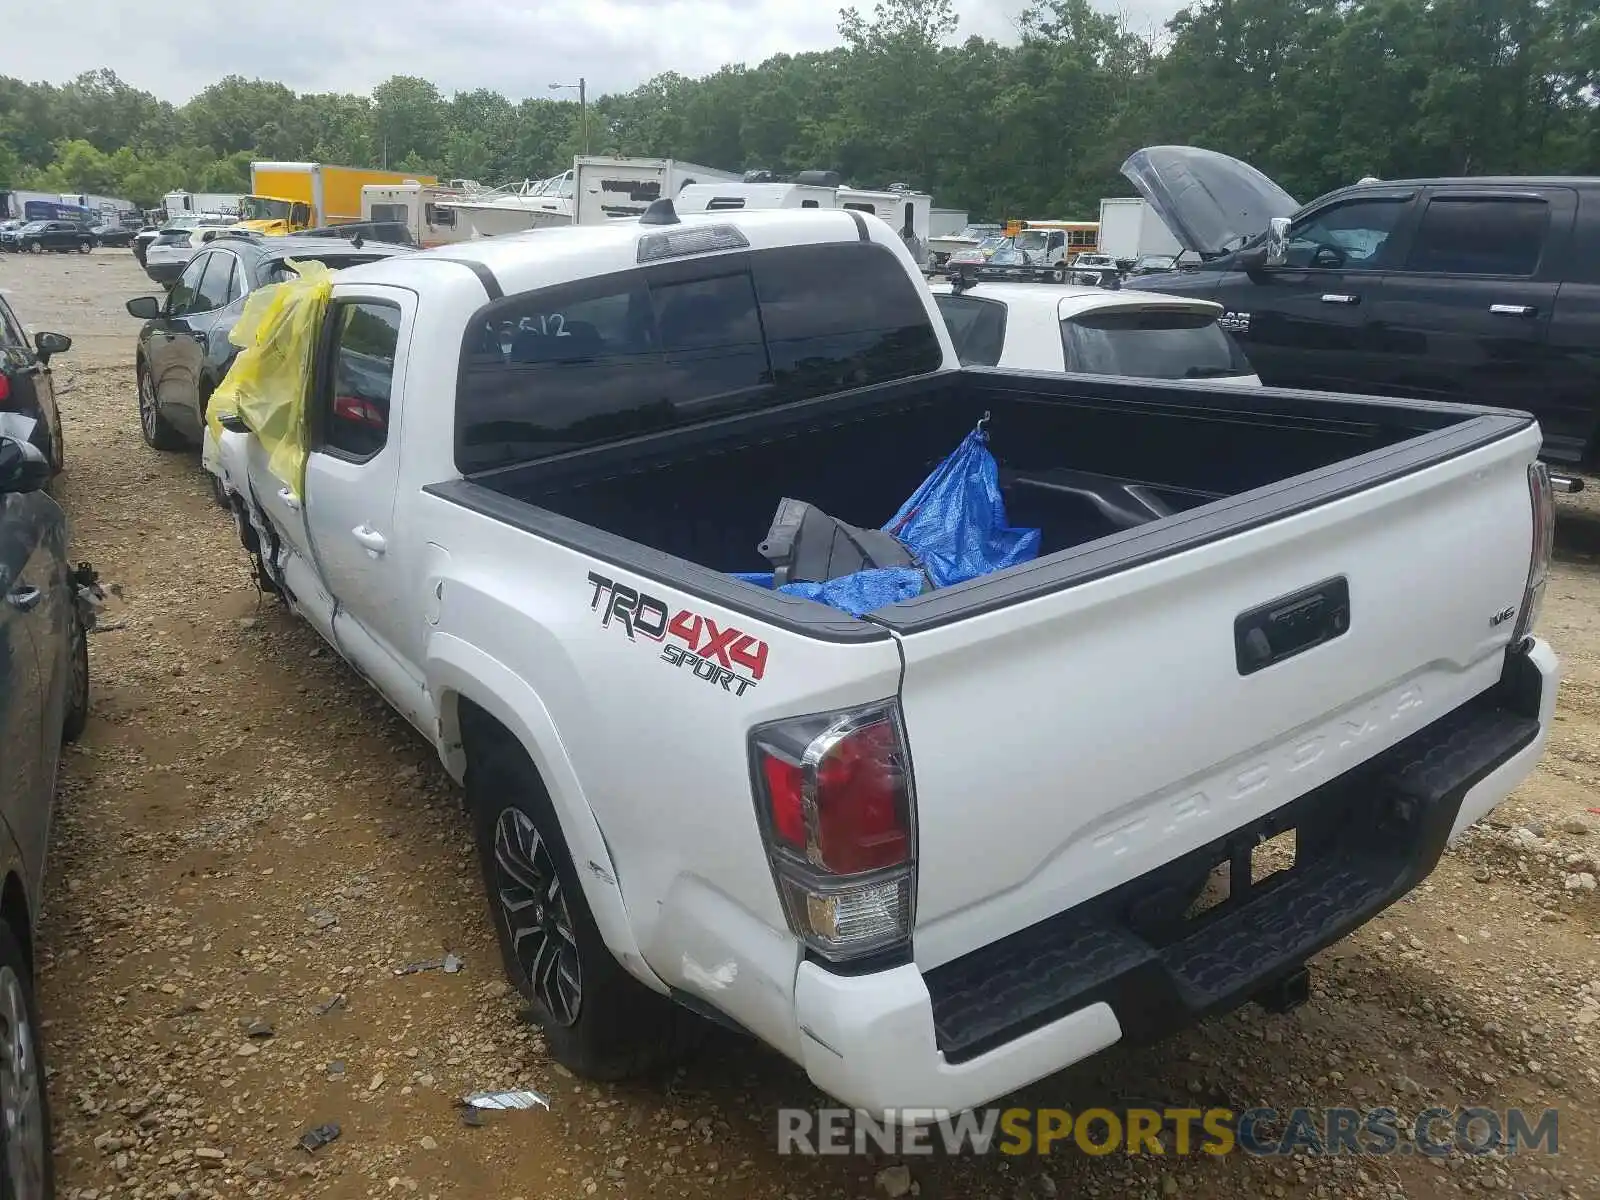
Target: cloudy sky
(517,47)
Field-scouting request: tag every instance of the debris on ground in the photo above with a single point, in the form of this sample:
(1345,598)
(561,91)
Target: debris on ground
(313,1140)
(449,964)
(506,1100)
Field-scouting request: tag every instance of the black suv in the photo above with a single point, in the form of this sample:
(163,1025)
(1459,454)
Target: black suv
(184,350)
(39,236)
(1478,290)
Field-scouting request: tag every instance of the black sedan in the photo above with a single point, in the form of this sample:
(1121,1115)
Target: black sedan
(113,235)
(44,699)
(38,236)
(27,388)
(183,349)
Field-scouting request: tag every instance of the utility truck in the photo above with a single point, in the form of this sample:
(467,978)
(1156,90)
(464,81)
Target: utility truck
(286,197)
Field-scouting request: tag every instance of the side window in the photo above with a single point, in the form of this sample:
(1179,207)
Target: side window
(1480,235)
(438,214)
(355,422)
(183,297)
(396,213)
(977,327)
(236,284)
(1353,236)
(214,284)
(11,335)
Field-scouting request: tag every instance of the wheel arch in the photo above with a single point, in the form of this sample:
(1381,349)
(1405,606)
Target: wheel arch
(16,912)
(477,697)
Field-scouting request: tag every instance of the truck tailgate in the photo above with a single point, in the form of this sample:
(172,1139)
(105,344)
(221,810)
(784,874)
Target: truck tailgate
(1072,742)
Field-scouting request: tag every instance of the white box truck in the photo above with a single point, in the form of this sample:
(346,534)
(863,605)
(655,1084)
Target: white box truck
(608,188)
(1131,229)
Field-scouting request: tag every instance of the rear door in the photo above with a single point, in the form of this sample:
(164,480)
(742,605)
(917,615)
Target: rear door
(1574,342)
(170,347)
(27,574)
(1308,323)
(1466,315)
(351,475)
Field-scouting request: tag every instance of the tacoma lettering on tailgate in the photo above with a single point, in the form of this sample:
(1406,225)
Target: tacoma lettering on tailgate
(719,654)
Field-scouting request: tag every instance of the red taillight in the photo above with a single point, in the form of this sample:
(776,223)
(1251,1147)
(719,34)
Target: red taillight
(861,822)
(838,811)
(5,387)
(785,781)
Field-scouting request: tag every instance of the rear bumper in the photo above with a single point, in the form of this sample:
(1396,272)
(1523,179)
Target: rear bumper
(1127,966)
(164,272)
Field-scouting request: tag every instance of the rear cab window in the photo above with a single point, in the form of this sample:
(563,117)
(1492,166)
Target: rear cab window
(1151,344)
(659,347)
(977,327)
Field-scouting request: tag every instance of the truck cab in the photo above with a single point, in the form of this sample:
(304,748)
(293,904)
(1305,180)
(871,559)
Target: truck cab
(1483,290)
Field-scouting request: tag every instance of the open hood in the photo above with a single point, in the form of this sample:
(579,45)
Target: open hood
(1210,202)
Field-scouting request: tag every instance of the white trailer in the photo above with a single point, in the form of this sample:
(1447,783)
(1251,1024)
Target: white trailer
(946,222)
(181,202)
(905,212)
(611,188)
(422,208)
(1131,229)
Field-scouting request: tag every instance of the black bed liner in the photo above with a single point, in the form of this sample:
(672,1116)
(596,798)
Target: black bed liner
(1437,432)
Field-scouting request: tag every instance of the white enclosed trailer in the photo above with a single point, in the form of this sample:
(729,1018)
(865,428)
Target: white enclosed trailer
(1131,229)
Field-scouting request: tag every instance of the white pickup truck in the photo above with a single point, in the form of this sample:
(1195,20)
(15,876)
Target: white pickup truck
(936,852)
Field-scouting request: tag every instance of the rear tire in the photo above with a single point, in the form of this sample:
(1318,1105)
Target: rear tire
(35,247)
(85,247)
(599,1021)
(158,432)
(27,1171)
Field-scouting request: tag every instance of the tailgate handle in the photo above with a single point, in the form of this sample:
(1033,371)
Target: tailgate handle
(1291,625)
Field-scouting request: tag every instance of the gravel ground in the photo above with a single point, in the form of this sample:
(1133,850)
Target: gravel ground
(248,845)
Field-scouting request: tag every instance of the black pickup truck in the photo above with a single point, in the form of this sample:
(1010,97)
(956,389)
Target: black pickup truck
(1484,290)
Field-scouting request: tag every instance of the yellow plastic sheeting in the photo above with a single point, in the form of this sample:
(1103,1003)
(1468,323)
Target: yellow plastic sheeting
(266,386)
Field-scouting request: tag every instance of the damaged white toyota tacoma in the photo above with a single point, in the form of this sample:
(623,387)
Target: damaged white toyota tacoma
(930,849)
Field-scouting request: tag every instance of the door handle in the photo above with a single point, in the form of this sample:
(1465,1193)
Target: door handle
(1340,298)
(371,540)
(289,499)
(25,598)
(1512,310)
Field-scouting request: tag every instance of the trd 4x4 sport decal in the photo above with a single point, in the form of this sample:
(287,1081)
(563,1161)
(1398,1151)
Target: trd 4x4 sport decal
(721,655)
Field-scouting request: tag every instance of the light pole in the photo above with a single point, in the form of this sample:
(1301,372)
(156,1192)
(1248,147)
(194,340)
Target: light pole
(583,105)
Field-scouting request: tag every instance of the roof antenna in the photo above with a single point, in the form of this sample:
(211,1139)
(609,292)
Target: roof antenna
(661,212)
(357,240)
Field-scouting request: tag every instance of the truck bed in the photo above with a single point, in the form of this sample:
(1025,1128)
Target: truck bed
(1112,472)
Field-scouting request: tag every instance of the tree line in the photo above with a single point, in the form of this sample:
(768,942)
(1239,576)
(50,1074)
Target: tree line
(1317,93)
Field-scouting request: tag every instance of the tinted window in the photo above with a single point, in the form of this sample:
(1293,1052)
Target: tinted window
(185,293)
(1480,236)
(213,293)
(977,327)
(842,315)
(554,370)
(710,335)
(11,335)
(1351,237)
(356,420)
(1151,345)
